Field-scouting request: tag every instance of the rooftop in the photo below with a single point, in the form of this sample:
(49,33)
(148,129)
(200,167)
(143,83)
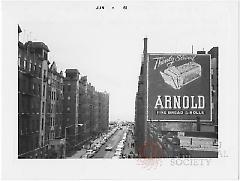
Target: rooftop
(38,45)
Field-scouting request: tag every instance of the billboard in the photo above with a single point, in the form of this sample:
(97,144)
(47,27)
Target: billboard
(178,87)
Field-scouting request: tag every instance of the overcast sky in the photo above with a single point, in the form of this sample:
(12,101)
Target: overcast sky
(106,45)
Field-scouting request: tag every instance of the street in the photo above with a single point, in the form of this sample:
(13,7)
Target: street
(113,141)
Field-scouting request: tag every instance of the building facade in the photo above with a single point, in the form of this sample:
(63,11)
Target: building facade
(56,113)
(85,112)
(71,107)
(32,75)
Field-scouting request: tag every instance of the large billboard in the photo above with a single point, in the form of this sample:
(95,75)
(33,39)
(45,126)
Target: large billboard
(179,87)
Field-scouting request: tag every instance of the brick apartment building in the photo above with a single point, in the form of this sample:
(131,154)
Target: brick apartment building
(32,74)
(55,113)
(84,110)
(71,106)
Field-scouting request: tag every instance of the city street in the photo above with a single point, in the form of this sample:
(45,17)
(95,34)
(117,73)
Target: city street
(113,142)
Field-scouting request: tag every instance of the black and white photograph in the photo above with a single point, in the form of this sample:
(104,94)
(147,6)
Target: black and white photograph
(120,89)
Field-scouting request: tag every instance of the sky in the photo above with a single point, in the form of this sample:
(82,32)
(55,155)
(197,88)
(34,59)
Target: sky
(107,44)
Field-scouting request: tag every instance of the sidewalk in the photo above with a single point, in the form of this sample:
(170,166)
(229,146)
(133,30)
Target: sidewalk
(78,154)
(129,148)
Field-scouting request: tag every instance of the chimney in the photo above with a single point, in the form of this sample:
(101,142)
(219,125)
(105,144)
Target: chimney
(145,46)
(201,52)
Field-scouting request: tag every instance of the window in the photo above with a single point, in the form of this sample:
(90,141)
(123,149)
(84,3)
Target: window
(45,55)
(42,141)
(19,61)
(32,106)
(68,109)
(43,104)
(69,87)
(211,71)
(40,71)
(24,64)
(69,98)
(44,74)
(35,67)
(42,123)
(30,65)
(33,86)
(39,89)
(43,90)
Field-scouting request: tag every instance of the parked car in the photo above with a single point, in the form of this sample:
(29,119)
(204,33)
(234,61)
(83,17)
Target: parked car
(119,149)
(85,156)
(118,153)
(90,153)
(102,142)
(116,157)
(108,148)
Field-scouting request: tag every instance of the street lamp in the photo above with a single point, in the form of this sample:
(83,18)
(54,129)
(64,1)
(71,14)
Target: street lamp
(66,136)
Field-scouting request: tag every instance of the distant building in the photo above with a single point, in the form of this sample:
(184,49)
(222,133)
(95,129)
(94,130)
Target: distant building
(103,111)
(85,112)
(71,106)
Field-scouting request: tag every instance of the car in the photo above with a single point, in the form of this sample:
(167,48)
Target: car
(117,153)
(94,148)
(85,156)
(98,146)
(119,149)
(116,157)
(108,148)
(120,145)
(90,153)
(102,142)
